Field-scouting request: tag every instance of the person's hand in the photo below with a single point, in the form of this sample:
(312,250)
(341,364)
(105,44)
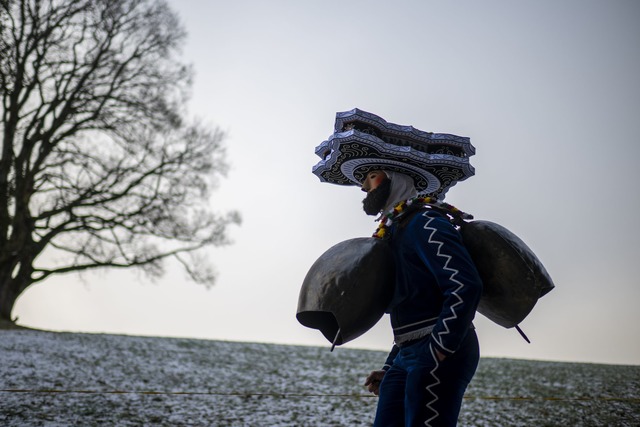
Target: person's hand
(372,383)
(441,356)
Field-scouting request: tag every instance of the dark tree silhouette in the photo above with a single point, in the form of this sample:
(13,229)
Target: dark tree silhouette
(100,166)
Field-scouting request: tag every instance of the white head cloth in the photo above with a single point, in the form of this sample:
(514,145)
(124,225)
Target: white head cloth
(402,188)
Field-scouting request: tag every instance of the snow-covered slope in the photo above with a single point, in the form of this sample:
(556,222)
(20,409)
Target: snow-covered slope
(62,379)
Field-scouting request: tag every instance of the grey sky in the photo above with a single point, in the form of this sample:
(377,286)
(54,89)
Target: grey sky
(548,91)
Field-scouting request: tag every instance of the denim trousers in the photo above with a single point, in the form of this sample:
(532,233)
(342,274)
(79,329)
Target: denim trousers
(419,390)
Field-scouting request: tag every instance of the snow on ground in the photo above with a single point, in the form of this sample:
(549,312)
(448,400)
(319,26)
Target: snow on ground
(61,379)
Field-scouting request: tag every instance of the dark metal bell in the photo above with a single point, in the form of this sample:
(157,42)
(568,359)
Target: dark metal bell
(347,290)
(513,277)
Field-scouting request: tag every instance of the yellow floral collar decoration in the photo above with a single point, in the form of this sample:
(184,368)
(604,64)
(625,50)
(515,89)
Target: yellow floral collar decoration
(387,219)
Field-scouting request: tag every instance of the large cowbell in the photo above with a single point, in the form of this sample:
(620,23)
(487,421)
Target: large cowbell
(347,290)
(513,277)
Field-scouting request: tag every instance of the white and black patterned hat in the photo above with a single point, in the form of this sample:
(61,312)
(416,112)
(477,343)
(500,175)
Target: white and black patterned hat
(363,142)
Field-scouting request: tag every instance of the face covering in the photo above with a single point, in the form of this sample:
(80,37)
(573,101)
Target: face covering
(377,198)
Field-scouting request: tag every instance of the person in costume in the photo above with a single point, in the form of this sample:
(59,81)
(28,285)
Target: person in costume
(406,173)
(437,291)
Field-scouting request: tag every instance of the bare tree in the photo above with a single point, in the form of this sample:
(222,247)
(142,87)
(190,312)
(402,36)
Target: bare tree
(99,165)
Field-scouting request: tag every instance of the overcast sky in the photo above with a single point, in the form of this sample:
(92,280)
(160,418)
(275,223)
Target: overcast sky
(548,91)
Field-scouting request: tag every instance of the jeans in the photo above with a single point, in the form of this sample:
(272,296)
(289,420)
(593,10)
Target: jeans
(418,390)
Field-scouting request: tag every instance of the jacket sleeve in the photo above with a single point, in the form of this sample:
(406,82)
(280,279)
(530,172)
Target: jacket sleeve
(440,248)
(392,355)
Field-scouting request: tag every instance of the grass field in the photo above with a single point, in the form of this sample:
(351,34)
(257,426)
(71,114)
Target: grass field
(63,379)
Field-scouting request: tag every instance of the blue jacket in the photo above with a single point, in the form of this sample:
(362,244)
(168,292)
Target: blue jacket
(437,287)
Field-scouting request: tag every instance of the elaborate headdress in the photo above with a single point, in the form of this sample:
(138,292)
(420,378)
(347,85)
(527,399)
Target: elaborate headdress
(362,142)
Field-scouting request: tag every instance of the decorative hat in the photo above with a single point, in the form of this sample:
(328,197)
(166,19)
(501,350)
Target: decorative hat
(363,142)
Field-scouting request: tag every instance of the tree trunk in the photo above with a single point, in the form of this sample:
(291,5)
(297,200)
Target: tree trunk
(9,293)
(15,277)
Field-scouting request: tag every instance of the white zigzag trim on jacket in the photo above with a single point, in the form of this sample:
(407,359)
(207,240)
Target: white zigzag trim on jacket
(454,272)
(437,337)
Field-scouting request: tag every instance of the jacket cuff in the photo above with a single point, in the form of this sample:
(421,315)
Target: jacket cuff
(441,349)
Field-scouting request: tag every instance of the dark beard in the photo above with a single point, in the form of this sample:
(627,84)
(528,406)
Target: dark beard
(377,198)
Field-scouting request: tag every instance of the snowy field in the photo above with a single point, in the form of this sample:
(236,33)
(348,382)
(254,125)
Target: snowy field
(63,379)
